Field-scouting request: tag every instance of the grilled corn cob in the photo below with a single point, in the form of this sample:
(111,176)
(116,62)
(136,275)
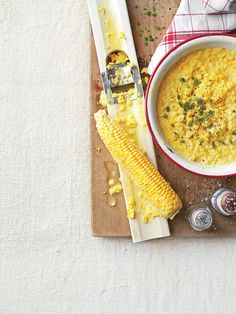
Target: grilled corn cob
(134,161)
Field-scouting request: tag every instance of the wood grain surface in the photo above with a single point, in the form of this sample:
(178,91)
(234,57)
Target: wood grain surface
(193,189)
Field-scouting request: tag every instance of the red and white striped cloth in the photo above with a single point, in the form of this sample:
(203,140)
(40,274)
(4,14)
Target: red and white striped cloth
(194,18)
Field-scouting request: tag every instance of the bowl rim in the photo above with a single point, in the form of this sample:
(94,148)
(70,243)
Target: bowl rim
(146,103)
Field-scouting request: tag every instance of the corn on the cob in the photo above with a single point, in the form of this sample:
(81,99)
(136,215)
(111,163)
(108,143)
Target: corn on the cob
(137,165)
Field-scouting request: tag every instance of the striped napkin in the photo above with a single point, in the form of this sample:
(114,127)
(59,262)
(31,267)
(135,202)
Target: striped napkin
(193,18)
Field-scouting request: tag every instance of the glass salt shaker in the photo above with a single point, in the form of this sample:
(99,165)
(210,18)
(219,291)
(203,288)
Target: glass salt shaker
(200,218)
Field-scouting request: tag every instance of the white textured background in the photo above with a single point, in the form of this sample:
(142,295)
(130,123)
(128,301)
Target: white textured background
(49,263)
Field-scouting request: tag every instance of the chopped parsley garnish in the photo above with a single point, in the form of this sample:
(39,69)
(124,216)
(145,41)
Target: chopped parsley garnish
(167,108)
(151,38)
(199,119)
(201,111)
(196,82)
(187,85)
(165,115)
(199,101)
(204,116)
(149,12)
(157,27)
(188,106)
(182,80)
(222,142)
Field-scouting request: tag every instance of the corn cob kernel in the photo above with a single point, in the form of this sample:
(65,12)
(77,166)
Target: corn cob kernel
(109,34)
(112,201)
(118,188)
(122,108)
(111,191)
(103,99)
(111,182)
(102,10)
(140,195)
(115,80)
(131,123)
(130,213)
(144,70)
(129,103)
(146,80)
(139,205)
(131,202)
(137,165)
(122,35)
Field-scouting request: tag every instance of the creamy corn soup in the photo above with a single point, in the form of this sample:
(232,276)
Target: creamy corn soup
(196,106)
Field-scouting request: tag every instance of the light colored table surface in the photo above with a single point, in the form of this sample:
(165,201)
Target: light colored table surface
(49,263)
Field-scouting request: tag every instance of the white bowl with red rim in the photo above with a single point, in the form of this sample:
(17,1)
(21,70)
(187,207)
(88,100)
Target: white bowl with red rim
(168,61)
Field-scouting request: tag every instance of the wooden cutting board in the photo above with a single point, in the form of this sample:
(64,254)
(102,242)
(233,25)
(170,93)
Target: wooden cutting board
(193,189)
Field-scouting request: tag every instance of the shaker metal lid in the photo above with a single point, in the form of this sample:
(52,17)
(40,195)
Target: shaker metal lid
(201,219)
(228,202)
(224,201)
